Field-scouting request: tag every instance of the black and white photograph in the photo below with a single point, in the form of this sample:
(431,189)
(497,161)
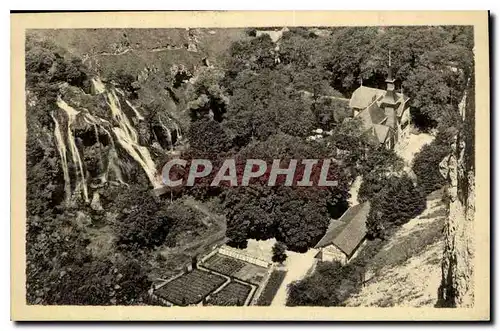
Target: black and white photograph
(270,166)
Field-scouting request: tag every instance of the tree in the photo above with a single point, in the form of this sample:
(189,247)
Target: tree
(141,221)
(426,164)
(207,94)
(208,139)
(330,285)
(394,205)
(279,252)
(254,54)
(262,105)
(296,216)
(371,185)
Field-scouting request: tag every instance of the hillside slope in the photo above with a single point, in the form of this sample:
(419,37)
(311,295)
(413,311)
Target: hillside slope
(406,272)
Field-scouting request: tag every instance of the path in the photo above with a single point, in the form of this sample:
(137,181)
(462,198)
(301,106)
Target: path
(297,264)
(415,144)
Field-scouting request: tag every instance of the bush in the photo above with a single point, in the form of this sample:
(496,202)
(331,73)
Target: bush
(397,203)
(279,252)
(329,285)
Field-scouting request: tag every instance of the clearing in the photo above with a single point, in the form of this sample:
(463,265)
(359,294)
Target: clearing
(414,145)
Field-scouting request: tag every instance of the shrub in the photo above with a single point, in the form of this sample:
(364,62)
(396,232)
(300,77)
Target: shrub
(329,285)
(279,252)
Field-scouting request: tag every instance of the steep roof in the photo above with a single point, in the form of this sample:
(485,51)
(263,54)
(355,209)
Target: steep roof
(348,236)
(355,230)
(363,96)
(335,227)
(381,132)
(371,115)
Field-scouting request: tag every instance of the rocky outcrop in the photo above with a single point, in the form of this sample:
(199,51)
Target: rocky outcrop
(457,286)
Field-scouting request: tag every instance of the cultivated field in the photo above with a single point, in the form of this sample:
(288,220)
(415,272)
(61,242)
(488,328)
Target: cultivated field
(224,264)
(190,288)
(234,294)
(236,268)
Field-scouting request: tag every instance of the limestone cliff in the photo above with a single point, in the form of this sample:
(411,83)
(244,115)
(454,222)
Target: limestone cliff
(457,287)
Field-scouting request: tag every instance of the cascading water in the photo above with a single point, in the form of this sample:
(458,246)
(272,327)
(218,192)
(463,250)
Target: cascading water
(128,139)
(99,86)
(75,155)
(137,114)
(119,129)
(61,147)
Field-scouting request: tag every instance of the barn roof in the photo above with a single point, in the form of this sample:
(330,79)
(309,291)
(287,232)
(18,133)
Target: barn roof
(352,233)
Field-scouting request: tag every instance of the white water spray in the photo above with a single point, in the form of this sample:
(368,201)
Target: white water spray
(75,155)
(128,139)
(61,147)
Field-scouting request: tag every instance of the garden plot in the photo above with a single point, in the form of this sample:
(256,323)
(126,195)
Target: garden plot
(224,264)
(233,294)
(236,268)
(190,288)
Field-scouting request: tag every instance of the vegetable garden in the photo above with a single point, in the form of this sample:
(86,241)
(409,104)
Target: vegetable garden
(234,294)
(224,264)
(190,288)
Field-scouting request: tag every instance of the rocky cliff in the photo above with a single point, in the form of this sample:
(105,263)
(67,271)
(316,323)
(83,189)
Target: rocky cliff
(457,286)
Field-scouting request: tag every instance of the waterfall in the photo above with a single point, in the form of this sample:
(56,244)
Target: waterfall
(137,114)
(61,147)
(128,139)
(75,155)
(98,85)
(138,153)
(119,116)
(169,133)
(119,128)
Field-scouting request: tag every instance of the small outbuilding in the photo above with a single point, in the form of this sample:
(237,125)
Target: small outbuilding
(345,236)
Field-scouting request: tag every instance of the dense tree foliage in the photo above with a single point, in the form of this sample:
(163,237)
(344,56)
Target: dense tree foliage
(329,285)
(426,163)
(297,216)
(262,105)
(395,204)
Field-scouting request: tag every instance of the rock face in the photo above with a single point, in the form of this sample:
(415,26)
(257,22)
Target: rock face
(457,286)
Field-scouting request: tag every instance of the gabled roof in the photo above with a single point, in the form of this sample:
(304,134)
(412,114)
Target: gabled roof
(348,236)
(355,230)
(335,227)
(380,132)
(363,96)
(371,115)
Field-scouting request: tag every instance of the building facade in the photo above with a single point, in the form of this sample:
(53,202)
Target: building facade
(384,114)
